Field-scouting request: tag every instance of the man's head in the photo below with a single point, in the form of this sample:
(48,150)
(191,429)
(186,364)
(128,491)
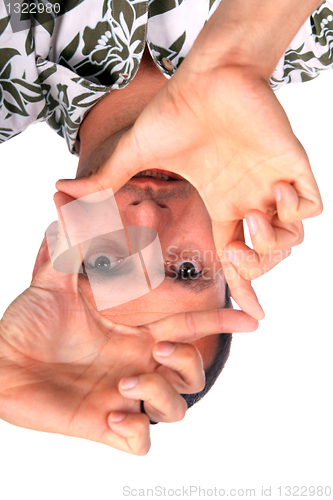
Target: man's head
(194,278)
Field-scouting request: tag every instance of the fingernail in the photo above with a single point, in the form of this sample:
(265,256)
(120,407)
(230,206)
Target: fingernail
(278,193)
(117,416)
(233,258)
(65,180)
(252,224)
(128,383)
(164,349)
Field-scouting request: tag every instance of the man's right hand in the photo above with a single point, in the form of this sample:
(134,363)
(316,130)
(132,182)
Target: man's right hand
(226,133)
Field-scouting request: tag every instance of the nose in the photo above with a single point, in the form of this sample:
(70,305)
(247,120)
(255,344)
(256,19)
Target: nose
(148,213)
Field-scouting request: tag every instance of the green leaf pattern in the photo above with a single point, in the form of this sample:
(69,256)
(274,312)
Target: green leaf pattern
(58,71)
(310,52)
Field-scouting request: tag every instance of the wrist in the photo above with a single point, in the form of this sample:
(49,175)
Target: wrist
(253,33)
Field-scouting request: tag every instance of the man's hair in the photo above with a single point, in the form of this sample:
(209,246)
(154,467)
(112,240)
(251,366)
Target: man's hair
(217,365)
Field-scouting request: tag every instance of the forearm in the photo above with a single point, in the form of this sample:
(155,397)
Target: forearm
(251,32)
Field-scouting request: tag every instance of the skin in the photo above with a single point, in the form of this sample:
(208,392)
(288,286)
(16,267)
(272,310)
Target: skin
(65,368)
(94,350)
(241,156)
(174,209)
(183,225)
(179,216)
(93,357)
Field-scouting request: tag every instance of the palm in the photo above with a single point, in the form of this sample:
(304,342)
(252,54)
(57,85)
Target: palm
(227,134)
(65,367)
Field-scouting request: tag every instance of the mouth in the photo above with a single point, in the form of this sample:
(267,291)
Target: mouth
(158,175)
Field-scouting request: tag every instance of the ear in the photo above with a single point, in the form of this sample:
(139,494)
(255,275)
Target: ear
(42,257)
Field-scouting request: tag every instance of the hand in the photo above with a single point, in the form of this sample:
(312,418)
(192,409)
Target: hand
(63,365)
(222,129)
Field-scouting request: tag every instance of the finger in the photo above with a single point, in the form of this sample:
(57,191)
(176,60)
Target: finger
(249,264)
(181,366)
(298,201)
(193,325)
(130,432)
(113,173)
(225,232)
(66,256)
(241,291)
(162,402)
(272,236)
(78,188)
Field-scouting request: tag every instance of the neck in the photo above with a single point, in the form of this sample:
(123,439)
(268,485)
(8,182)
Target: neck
(116,112)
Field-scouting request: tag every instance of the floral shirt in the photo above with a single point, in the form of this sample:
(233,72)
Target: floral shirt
(67,58)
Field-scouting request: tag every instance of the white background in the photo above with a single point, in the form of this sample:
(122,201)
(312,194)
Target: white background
(268,419)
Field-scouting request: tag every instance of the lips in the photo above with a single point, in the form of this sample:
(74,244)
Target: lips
(163,175)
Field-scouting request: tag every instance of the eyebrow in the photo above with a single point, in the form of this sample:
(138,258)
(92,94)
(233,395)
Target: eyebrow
(197,285)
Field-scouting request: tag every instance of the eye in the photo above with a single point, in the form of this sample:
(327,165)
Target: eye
(185,270)
(102,263)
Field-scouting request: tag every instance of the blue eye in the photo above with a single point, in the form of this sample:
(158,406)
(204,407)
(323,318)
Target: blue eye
(103,263)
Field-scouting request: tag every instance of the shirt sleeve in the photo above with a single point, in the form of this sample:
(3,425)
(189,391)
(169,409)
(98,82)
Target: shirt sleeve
(59,66)
(21,97)
(310,52)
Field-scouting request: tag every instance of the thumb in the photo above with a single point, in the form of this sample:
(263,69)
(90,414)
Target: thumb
(114,172)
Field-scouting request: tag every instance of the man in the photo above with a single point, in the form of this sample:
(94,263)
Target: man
(109,54)
(215,296)
(67,368)
(223,230)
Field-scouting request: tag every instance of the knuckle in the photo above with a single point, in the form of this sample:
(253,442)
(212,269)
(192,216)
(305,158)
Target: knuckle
(287,217)
(298,235)
(300,238)
(189,354)
(264,246)
(139,443)
(190,323)
(152,382)
(199,385)
(144,449)
(319,209)
(141,431)
(142,424)
(254,273)
(220,319)
(143,446)
(180,411)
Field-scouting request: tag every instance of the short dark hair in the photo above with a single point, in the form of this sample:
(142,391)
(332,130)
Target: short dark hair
(217,365)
